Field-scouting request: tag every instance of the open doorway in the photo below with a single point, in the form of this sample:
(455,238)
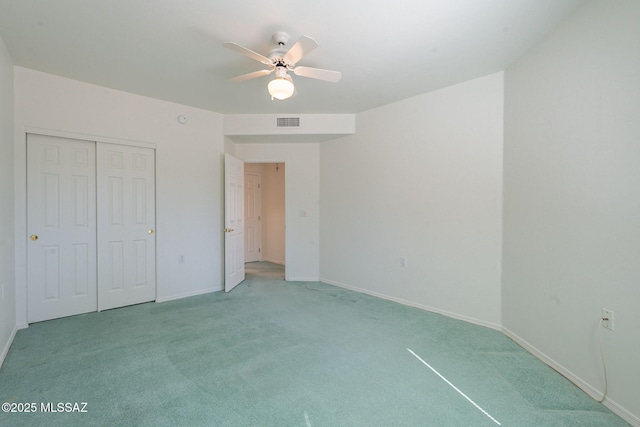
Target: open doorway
(265,219)
(264,270)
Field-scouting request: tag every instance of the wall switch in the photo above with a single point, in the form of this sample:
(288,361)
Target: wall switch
(403,262)
(607,318)
(181,259)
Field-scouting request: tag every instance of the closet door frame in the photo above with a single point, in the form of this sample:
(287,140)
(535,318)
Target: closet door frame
(21,225)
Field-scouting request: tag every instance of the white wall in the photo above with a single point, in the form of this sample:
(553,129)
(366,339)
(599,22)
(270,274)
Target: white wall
(572,199)
(302,190)
(188,171)
(7,287)
(421,180)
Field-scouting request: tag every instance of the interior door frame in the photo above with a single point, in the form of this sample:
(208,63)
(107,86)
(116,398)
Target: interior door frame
(286,219)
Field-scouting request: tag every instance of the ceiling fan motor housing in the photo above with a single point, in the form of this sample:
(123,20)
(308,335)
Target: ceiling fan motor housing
(277,57)
(281,71)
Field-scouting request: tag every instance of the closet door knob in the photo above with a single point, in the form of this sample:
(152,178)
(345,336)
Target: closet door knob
(150,231)
(34,237)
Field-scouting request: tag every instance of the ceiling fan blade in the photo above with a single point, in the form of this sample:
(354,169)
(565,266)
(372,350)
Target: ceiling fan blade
(318,73)
(250,76)
(303,46)
(248,52)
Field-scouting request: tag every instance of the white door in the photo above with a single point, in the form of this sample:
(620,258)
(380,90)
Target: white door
(126,225)
(233,222)
(61,221)
(252,217)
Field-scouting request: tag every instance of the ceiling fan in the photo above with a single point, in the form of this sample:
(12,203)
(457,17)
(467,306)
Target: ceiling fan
(281,60)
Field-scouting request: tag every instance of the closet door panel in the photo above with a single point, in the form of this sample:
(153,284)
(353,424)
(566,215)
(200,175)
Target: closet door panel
(61,223)
(126,225)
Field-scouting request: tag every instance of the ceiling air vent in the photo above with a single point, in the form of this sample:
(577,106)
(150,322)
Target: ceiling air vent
(287,122)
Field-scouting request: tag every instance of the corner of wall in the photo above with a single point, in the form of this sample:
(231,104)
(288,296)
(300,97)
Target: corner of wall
(8,326)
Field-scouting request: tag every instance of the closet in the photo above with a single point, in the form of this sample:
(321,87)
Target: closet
(91,226)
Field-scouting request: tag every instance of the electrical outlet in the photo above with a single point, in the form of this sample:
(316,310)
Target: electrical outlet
(607,318)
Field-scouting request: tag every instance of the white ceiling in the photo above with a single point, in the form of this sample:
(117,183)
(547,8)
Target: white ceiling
(172,49)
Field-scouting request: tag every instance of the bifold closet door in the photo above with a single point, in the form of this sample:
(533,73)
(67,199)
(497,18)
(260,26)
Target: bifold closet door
(126,225)
(61,224)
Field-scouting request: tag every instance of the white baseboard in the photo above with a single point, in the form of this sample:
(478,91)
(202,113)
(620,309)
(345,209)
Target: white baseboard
(7,346)
(579,382)
(622,412)
(416,305)
(186,295)
(303,279)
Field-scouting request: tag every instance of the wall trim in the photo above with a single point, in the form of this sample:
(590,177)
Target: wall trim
(187,295)
(592,391)
(457,316)
(7,346)
(303,279)
(87,137)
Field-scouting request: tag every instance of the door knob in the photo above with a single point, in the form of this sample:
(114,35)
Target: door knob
(228,230)
(34,237)
(150,231)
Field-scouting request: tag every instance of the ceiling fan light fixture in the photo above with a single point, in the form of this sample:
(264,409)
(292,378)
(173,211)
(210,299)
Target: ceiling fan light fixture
(281,88)
(280,61)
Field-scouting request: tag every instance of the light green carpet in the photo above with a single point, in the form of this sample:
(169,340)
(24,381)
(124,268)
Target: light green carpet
(274,353)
